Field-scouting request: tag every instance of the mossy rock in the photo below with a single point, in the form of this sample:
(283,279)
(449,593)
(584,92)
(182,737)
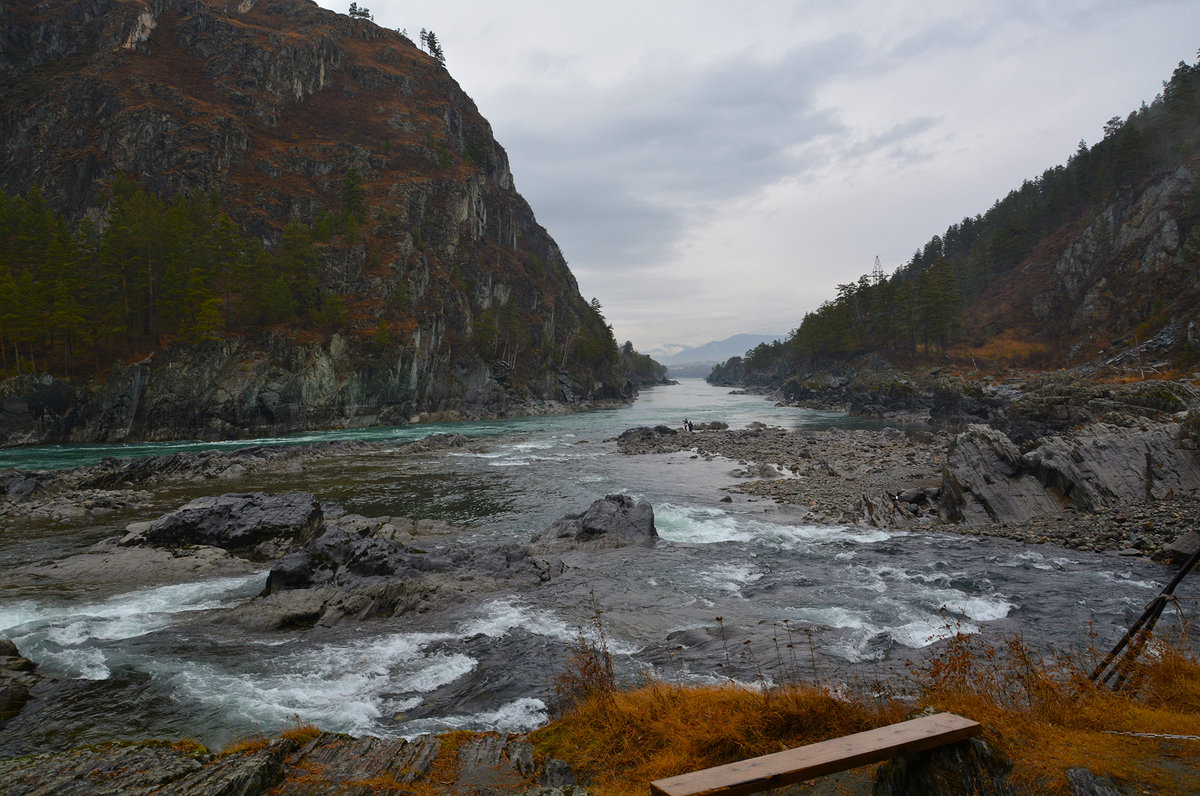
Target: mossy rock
(1164,396)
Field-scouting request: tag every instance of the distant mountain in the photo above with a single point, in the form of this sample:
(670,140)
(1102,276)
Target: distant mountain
(714,352)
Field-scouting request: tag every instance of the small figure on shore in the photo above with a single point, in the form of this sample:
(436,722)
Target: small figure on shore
(687,424)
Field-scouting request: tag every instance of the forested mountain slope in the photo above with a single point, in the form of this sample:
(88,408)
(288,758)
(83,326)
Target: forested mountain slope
(1096,261)
(259,216)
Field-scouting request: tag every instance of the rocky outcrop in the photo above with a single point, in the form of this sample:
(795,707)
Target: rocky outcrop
(256,525)
(367,567)
(36,408)
(988,479)
(612,521)
(17,675)
(1134,240)
(458,303)
(300,761)
(870,388)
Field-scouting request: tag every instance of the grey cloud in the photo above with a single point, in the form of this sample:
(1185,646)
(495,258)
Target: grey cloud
(638,156)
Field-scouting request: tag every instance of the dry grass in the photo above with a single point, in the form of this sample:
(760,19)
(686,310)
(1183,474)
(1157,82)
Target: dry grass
(302,734)
(1048,717)
(1010,346)
(625,739)
(1042,712)
(246,745)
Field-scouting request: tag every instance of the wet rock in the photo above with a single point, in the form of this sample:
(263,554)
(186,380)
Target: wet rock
(17,676)
(612,521)
(757,471)
(643,439)
(501,765)
(119,770)
(362,568)
(255,525)
(1186,545)
(252,773)
(329,763)
(21,485)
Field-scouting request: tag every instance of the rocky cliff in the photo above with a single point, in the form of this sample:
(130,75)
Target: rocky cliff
(457,302)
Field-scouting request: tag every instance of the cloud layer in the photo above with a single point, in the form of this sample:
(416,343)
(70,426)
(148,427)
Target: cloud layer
(710,169)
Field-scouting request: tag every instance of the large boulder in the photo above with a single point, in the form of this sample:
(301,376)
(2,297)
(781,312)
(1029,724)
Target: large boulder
(1106,465)
(254,525)
(612,521)
(987,478)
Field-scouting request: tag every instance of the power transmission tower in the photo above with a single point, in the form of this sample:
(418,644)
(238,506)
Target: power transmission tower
(877,272)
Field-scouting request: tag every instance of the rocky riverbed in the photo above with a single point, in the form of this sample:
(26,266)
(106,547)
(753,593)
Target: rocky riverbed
(1105,468)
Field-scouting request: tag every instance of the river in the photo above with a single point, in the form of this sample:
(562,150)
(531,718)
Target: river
(158,662)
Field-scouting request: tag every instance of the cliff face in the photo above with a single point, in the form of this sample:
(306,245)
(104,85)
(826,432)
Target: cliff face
(1122,284)
(272,105)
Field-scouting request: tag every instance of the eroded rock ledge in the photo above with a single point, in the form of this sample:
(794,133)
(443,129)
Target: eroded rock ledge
(300,761)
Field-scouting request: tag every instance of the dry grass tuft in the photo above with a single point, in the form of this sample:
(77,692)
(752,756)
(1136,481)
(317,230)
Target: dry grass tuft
(246,745)
(443,774)
(625,739)
(1048,716)
(302,734)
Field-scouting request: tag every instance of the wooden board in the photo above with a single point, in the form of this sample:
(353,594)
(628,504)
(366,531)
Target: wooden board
(817,759)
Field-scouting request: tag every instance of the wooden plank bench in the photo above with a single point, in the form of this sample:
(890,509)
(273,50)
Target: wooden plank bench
(818,759)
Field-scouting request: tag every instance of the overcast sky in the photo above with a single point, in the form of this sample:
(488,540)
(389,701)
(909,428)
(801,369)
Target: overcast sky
(711,168)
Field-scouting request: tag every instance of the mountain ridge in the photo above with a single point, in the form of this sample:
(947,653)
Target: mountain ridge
(436,291)
(1091,266)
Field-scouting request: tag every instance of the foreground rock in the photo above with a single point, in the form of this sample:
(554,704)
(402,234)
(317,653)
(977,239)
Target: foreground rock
(224,535)
(302,761)
(107,564)
(365,568)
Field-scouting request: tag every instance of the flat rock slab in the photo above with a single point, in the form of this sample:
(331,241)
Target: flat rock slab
(328,764)
(106,564)
(252,525)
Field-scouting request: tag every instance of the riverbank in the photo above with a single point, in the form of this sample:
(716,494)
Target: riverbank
(421,628)
(1087,467)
